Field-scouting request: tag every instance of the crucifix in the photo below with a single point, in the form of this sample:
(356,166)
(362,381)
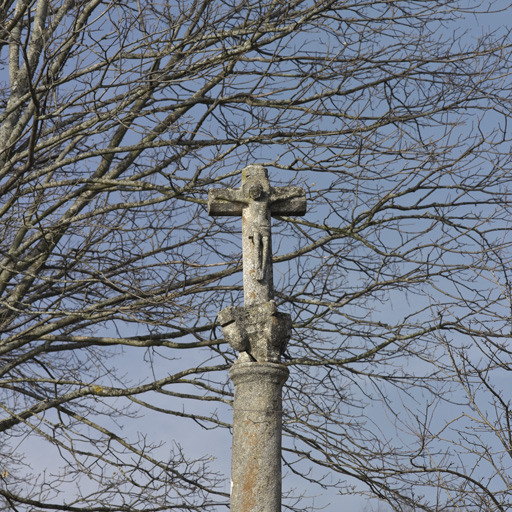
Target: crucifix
(259,333)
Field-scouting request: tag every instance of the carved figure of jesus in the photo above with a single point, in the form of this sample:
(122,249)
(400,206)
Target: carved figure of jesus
(256,201)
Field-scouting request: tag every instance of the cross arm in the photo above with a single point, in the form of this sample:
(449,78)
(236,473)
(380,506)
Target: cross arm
(287,201)
(225,202)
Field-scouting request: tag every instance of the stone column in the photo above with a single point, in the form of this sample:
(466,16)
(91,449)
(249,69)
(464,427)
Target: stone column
(259,332)
(257,421)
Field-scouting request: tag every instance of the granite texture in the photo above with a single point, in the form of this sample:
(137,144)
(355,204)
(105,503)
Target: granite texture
(259,332)
(257,419)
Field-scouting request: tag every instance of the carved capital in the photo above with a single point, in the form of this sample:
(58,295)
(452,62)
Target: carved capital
(260,331)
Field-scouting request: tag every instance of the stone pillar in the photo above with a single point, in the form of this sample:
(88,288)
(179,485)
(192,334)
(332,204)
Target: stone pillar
(257,424)
(259,332)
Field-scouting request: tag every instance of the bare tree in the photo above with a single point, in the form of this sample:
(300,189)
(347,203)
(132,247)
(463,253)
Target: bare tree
(119,116)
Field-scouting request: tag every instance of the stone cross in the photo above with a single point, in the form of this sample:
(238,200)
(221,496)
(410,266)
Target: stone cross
(260,333)
(256,202)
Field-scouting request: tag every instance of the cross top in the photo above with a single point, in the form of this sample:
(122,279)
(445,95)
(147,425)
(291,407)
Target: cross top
(256,202)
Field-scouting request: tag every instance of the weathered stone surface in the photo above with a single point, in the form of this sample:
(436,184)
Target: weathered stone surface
(281,200)
(256,201)
(260,331)
(257,420)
